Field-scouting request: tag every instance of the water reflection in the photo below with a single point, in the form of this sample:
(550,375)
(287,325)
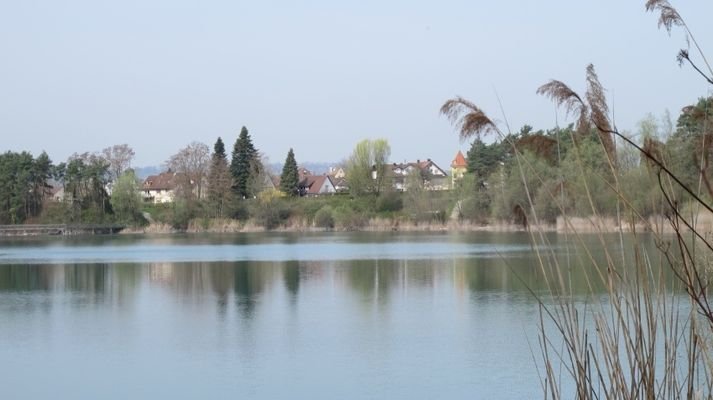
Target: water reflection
(245,282)
(373,281)
(448,326)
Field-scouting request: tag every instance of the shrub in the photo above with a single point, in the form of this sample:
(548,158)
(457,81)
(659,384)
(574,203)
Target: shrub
(349,219)
(389,202)
(324,218)
(270,209)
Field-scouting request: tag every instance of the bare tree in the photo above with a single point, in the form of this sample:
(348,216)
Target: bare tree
(191,165)
(119,157)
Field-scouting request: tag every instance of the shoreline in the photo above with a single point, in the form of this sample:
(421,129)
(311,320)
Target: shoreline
(570,225)
(563,226)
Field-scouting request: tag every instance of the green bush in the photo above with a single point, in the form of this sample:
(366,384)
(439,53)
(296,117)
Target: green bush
(548,200)
(182,215)
(324,218)
(346,218)
(389,202)
(475,207)
(270,211)
(238,209)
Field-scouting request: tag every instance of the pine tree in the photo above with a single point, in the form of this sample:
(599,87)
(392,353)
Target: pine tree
(243,164)
(219,179)
(289,180)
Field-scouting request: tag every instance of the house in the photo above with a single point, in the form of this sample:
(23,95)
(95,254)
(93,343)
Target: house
(339,179)
(459,166)
(275,180)
(315,185)
(433,176)
(160,188)
(269,182)
(55,193)
(303,172)
(340,184)
(337,172)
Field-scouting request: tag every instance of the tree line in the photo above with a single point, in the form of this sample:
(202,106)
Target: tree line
(569,164)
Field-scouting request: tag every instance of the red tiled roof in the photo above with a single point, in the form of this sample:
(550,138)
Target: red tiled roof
(459,161)
(313,183)
(162,181)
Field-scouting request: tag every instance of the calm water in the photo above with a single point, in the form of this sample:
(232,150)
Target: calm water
(271,316)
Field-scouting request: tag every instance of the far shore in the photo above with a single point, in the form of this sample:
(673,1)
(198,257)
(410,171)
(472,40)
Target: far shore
(568,225)
(703,221)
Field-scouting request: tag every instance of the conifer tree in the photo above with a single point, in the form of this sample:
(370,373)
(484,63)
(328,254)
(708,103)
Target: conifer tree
(219,179)
(244,164)
(289,180)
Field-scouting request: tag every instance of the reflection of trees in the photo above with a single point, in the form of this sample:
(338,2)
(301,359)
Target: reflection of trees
(221,282)
(373,278)
(114,283)
(249,280)
(24,277)
(566,261)
(86,278)
(291,276)
(245,280)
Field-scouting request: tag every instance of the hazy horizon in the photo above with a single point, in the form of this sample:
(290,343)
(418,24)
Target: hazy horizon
(318,77)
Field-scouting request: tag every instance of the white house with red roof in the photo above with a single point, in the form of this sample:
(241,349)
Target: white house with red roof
(315,185)
(160,188)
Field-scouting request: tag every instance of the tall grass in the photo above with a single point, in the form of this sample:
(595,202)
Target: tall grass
(647,336)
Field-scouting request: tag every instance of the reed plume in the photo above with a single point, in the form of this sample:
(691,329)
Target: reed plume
(563,96)
(468,118)
(600,111)
(668,15)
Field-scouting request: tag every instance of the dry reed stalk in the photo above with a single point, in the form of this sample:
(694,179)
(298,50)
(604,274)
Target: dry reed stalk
(648,338)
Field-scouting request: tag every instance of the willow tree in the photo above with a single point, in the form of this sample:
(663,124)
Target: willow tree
(367,167)
(126,199)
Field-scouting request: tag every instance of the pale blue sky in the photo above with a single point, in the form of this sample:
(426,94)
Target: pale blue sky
(319,76)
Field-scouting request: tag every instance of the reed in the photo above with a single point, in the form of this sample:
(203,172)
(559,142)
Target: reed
(645,335)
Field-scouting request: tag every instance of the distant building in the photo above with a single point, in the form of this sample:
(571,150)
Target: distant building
(302,173)
(56,193)
(160,188)
(315,185)
(339,179)
(340,185)
(459,166)
(337,172)
(433,176)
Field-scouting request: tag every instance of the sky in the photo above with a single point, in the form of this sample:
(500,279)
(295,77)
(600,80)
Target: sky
(319,76)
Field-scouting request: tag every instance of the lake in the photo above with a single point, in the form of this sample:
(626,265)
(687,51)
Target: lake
(274,316)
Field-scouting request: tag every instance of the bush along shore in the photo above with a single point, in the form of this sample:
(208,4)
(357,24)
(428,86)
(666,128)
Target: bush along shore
(564,225)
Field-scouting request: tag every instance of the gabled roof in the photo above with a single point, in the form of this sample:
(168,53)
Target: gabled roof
(312,184)
(459,161)
(303,173)
(339,182)
(162,181)
(418,165)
